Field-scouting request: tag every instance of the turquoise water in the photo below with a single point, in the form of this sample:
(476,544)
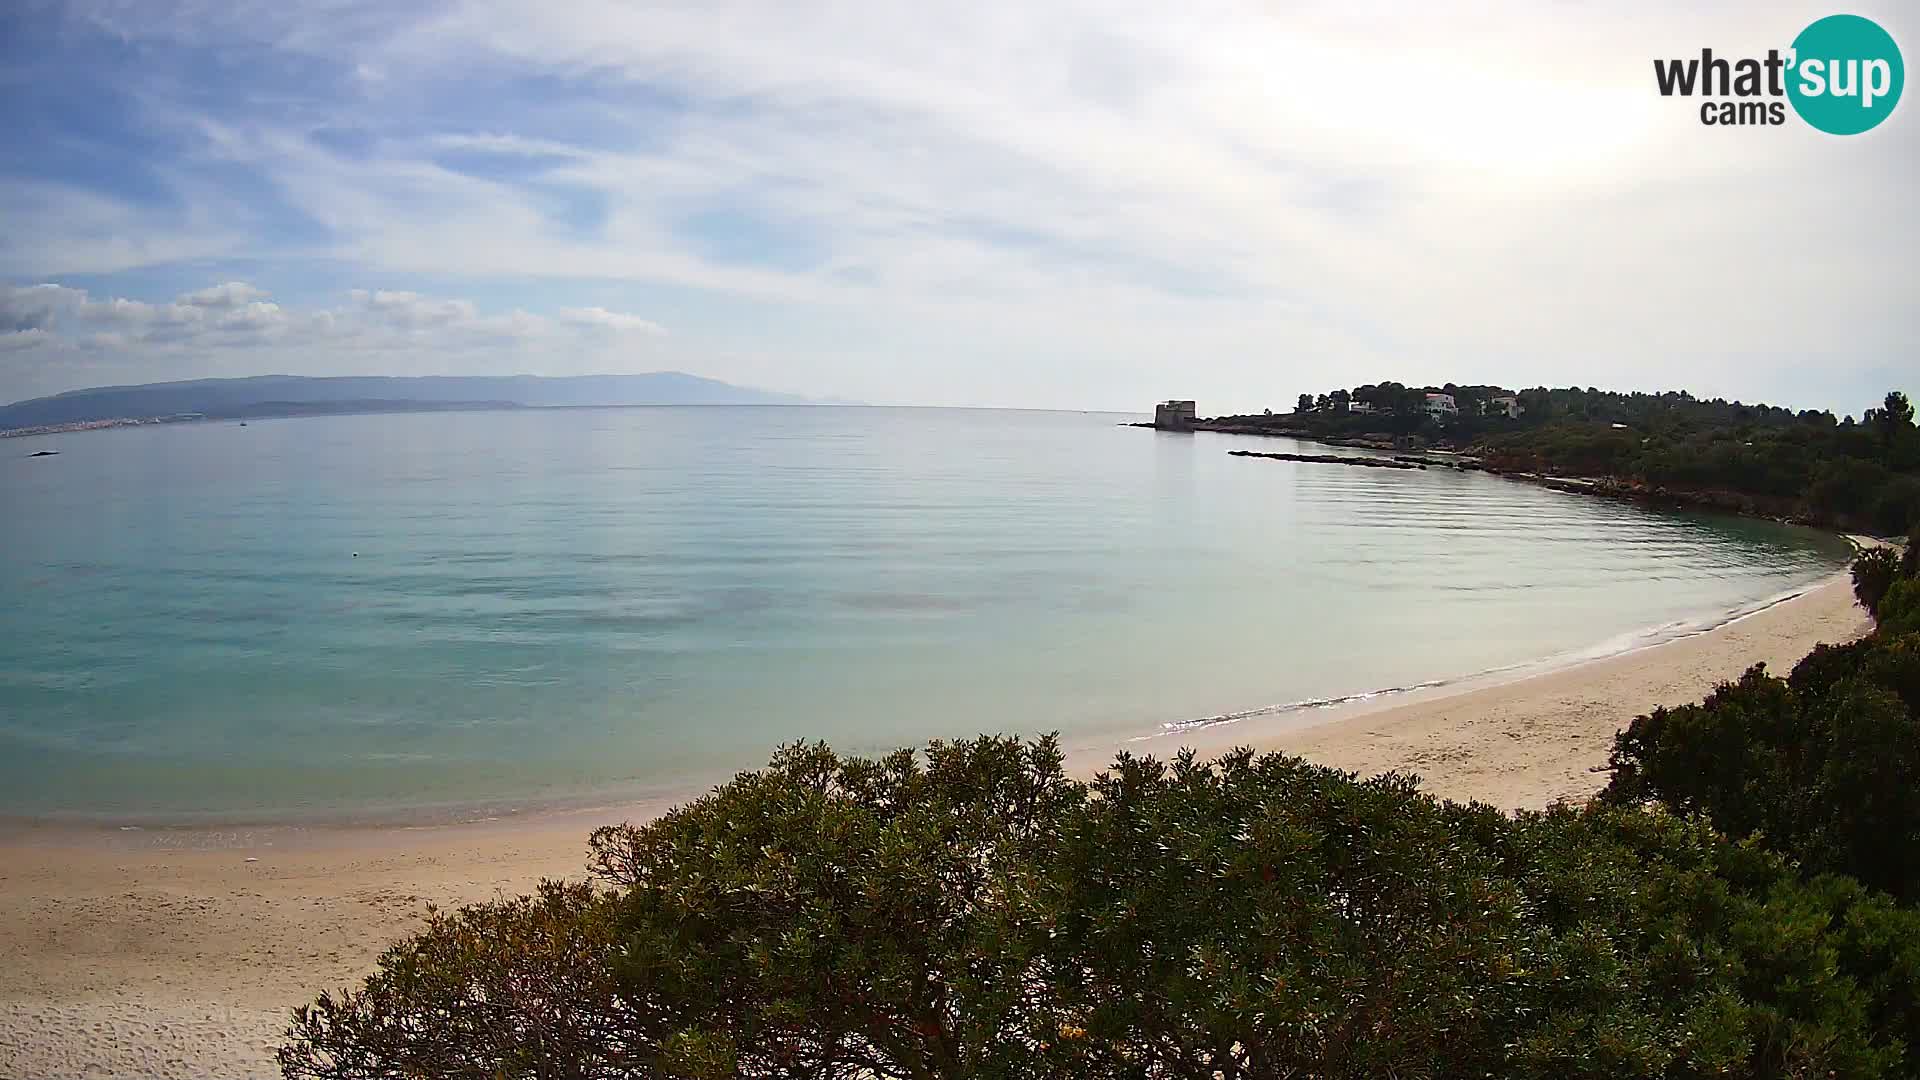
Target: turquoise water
(371,614)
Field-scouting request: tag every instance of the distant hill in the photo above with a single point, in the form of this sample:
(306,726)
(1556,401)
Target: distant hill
(266,395)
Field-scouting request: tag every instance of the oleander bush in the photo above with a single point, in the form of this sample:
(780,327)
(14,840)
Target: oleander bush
(971,911)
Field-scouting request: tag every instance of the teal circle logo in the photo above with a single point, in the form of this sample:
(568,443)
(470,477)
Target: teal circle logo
(1846,75)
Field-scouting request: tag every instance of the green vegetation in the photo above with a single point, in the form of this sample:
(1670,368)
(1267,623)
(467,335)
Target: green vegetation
(1821,765)
(972,912)
(1874,572)
(1808,465)
(1743,900)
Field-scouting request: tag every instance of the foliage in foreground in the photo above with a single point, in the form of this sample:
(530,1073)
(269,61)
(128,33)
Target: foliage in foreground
(971,911)
(1822,765)
(1878,570)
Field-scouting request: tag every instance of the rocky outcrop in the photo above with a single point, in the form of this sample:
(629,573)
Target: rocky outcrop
(1772,508)
(1331,459)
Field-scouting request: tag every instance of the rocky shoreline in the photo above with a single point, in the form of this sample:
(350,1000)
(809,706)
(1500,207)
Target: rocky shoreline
(1331,459)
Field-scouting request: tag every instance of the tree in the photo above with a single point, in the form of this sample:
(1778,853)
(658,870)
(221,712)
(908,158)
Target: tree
(1754,458)
(973,912)
(1895,417)
(1305,404)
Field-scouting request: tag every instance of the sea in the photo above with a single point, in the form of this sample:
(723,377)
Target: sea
(477,613)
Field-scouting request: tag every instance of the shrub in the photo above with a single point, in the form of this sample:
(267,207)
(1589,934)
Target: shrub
(851,917)
(1820,765)
(1874,572)
(975,913)
(521,988)
(1890,661)
(1731,757)
(1899,611)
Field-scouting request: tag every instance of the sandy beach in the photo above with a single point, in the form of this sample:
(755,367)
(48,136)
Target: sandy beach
(162,954)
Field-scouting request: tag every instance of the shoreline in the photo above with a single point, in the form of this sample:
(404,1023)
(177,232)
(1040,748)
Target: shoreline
(245,829)
(1529,742)
(1707,500)
(1316,711)
(143,955)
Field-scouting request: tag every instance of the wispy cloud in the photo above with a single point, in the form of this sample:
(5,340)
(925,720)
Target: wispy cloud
(998,202)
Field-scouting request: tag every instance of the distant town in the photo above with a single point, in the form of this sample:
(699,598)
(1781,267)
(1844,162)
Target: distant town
(94,425)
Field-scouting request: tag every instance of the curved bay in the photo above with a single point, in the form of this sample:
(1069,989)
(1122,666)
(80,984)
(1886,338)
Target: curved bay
(556,603)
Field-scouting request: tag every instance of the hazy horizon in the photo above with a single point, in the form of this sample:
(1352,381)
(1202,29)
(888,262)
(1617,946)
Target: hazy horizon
(1144,409)
(1076,207)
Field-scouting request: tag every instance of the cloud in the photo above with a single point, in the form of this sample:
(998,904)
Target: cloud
(234,308)
(412,310)
(231,295)
(58,336)
(35,307)
(12,340)
(601,318)
(1066,204)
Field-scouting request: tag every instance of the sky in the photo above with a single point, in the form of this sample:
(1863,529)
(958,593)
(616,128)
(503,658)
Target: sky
(1058,205)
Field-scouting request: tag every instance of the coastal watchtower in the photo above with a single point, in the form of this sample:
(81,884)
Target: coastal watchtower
(1173,416)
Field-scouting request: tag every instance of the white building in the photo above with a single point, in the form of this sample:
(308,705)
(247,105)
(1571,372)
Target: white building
(1360,406)
(1442,405)
(1508,405)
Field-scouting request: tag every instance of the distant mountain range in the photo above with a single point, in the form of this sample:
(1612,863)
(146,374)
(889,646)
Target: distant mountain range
(293,395)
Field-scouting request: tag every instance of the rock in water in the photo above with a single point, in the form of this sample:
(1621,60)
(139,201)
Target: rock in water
(1331,459)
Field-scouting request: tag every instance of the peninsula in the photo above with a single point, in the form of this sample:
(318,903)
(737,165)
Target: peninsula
(1667,448)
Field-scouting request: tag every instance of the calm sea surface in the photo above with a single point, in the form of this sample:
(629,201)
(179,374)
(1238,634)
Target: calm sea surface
(368,614)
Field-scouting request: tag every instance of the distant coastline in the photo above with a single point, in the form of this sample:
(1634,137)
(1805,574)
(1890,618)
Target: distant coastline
(267,396)
(1657,496)
(267,410)
(1666,449)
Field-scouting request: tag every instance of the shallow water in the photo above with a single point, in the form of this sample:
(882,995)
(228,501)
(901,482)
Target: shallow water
(350,615)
